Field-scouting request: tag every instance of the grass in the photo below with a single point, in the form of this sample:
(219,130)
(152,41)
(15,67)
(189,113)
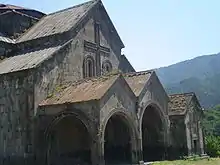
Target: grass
(211,161)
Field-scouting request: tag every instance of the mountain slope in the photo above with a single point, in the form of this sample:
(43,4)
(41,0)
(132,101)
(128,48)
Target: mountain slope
(200,75)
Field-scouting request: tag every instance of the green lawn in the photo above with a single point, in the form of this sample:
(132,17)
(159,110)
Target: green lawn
(211,161)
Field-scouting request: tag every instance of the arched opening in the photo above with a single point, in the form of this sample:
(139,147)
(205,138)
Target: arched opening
(106,67)
(69,142)
(152,135)
(117,141)
(88,67)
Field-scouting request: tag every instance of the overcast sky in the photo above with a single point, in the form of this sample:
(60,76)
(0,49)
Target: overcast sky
(156,33)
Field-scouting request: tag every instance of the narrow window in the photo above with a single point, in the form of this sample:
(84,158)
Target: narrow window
(88,67)
(106,67)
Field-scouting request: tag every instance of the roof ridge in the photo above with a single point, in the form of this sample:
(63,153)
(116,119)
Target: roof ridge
(130,74)
(9,6)
(93,79)
(182,94)
(23,14)
(72,7)
(18,40)
(6,12)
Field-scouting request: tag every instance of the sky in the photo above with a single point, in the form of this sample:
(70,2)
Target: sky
(156,33)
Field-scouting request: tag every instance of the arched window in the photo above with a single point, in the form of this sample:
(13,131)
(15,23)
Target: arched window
(106,67)
(88,67)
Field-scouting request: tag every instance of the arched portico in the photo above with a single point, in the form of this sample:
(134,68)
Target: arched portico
(119,137)
(153,128)
(69,140)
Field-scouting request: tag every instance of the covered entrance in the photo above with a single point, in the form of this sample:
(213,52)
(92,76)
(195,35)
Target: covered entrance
(152,135)
(117,147)
(69,142)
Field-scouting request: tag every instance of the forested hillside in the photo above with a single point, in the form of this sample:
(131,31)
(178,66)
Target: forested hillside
(200,75)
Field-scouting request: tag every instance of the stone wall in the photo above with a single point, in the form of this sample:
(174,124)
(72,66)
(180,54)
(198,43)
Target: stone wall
(159,95)
(87,112)
(16,104)
(13,24)
(193,125)
(66,65)
(154,94)
(178,137)
(119,97)
(5,49)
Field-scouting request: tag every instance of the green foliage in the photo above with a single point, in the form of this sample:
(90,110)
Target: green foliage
(211,121)
(200,75)
(212,145)
(211,125)
(207,90)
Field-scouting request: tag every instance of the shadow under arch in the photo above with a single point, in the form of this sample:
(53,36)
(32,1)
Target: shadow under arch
(68,139)
(153,127)
(119,136)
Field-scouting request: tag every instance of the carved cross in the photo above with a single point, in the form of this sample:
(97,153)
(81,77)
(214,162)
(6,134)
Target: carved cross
(96,48)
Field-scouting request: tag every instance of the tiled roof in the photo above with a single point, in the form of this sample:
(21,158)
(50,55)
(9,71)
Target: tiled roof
(179,102)
(84,90)
(26,60)
(137,80)
(58,22)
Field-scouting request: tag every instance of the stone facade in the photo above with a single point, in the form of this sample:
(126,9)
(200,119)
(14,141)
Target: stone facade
(68,96)
(186,116)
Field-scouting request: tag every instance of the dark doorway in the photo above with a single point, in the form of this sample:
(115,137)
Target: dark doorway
(195,146)
(117,141)
(69,143)
(152,135)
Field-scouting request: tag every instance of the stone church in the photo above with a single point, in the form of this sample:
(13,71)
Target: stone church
(68,95)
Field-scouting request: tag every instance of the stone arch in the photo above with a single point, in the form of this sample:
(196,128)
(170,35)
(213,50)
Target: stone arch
(69,139)
(153,131)
(88,67)
(106,66)
(119,121)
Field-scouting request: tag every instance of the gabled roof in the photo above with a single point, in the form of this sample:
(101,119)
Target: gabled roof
(179,102)
(58,22)
(19,13)
(82,91)
(12,8)
(66,20)
(27,60)
(137,80)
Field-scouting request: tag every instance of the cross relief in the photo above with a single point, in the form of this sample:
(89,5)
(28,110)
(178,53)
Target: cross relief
(95,47)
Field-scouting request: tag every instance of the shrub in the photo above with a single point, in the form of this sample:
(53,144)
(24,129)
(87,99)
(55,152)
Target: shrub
(212,145)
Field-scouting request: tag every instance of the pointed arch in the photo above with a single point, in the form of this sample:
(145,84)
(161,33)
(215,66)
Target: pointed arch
(153,128)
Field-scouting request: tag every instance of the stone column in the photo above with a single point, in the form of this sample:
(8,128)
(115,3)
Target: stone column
(188,139)
(97,152)
(140,149)
(201,142)
(134,151)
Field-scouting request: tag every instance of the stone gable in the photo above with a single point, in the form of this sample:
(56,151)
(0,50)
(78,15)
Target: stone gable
(67,67)
(154,92)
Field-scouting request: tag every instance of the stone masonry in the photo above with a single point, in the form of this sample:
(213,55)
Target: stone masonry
(68,95)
